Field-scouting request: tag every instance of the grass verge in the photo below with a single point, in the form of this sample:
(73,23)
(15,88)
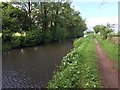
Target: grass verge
(110,48)
(78,68)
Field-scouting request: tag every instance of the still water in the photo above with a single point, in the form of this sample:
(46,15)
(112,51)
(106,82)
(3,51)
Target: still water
(32,67)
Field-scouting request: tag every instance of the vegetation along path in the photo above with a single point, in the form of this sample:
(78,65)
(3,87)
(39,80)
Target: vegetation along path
(109,75)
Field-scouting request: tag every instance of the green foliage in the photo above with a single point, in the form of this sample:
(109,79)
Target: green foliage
(97,29)
(104,30)
(33,38)
(62,34)
(42,23)
(30,39)
(89,32)
(77,42)
(47,37)
(78,68)
(14,19)
(116,34)
(6,39)
(6,35)
(17,41)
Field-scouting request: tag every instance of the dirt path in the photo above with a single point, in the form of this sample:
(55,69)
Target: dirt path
(108,73)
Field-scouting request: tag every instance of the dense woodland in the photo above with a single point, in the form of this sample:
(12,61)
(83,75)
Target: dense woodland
(39,22)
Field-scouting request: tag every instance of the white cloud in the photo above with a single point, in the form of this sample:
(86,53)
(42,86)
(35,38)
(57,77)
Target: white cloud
(102,20)
(91,22)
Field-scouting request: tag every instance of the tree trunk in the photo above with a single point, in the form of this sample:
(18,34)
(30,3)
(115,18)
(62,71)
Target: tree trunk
(45,17)
(29,7)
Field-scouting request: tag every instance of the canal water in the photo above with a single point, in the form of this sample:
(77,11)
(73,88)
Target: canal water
(32,67)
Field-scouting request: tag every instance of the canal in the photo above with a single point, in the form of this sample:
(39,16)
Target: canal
(32,67)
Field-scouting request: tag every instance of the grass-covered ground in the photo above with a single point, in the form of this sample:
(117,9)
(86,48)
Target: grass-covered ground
(110,48)
(78,68)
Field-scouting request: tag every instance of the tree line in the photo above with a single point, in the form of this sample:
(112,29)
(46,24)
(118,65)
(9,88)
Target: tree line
(41,22)
(105,31)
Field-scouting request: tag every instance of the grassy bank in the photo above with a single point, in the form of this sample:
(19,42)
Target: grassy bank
(110,48)
(78,68)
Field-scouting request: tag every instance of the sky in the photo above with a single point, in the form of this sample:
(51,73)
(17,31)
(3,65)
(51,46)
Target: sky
(98,12)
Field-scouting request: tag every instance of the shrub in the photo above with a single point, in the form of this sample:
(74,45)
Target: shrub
(18,41)
(32,38)
(59,34)
(77,42)
(47,36)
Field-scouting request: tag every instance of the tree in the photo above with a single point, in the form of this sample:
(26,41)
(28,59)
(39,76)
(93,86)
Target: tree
(97,29)
(42,22)
(14,19)
(104,30)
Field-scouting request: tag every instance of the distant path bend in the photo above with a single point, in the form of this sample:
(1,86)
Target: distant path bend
(108,73)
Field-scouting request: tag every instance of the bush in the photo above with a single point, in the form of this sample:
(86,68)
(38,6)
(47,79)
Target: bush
(33,38)
(18,41)
(59,34)
(6,46)
(77,42)
(47,36)
(6,39)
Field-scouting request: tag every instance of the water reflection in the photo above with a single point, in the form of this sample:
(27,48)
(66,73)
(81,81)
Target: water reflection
(22,51)
(35,48)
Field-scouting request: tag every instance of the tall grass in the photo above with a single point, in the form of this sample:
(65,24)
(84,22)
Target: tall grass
(78,68)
